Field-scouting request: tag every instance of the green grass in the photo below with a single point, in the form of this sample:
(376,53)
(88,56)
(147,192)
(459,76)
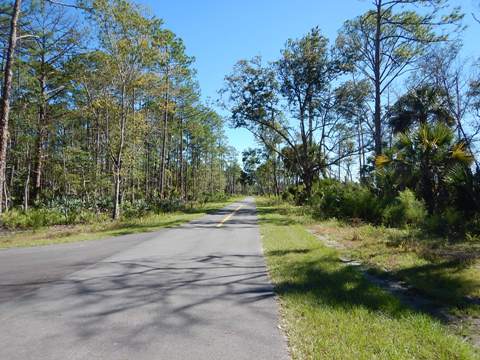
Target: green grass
(331,312)
(446,273)
(66,234)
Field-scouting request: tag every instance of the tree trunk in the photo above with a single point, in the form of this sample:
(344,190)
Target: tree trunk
(118,161)
(461,130)
(6,93)
(26,189)
(307,178)
(164,140)
(359,140)
(275,176)
(116,199)
(41,138)
(182,172)
(378,82)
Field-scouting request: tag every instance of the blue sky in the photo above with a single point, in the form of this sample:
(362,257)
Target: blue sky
(218,33)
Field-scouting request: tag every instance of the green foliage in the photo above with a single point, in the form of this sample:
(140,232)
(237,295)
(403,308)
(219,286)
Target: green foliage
(295,194)
(405,210)
(214,197)
(451,222)
(345,201)
(423,159)
(62,211)
(422,105)
(136,208)
(32,219)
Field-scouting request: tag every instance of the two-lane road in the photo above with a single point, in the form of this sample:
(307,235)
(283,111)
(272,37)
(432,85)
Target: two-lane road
(198,291)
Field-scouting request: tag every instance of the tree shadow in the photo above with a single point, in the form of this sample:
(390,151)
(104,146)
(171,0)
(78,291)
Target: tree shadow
(329,283)
(333,285)
(286,252)
(180,295)
(133,228)
(438,282)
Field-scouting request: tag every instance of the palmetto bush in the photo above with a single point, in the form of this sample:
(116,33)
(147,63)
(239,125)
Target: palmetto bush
(423,160)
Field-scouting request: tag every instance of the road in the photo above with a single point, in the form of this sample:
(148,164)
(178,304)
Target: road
(197,291)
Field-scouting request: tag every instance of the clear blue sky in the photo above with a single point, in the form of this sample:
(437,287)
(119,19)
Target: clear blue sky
(218,33)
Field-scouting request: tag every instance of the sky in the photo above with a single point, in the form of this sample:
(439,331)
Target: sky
(218,33)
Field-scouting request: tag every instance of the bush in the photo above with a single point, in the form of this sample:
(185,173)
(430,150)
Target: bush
(32,219)
(450,222)
(211,197)
(406,210)
(136,208)
(294,194)
(345,201)
(58,214)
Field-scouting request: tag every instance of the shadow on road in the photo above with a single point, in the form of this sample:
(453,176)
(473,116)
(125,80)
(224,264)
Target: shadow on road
(173,295)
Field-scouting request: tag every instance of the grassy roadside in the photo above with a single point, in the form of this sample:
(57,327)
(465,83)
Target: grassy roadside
(447,273)
(66,234)
(331,312)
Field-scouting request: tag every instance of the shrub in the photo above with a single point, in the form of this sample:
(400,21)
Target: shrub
(35,218)
(136,208)
(294,194)
(405,210)
(212,197)
(32,219)
(345,201)
(450,222)
(89,217)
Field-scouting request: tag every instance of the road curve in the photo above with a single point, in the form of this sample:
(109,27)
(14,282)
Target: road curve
(197,291)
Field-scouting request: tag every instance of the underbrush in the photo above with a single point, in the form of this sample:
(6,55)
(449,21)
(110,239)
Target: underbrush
(357,203)
(446,272)
(43,227)
(71,212)
(38,218)
(445,269)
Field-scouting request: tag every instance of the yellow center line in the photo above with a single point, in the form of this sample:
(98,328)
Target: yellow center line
(226,218)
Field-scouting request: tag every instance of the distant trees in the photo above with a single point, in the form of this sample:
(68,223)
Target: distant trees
(54,38)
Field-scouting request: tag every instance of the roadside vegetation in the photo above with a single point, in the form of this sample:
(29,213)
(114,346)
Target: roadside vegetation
(330,310)
(45,230)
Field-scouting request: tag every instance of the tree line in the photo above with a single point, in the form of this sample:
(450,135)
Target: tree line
(101,110)
(389,109)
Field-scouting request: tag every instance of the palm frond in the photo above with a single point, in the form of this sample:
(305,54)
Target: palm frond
(461,154)
(382,160)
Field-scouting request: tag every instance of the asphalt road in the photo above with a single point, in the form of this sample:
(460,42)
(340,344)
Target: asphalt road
(198,291)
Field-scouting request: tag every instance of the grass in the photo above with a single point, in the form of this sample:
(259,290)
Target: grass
(446,272)
(330,311)
(67,234)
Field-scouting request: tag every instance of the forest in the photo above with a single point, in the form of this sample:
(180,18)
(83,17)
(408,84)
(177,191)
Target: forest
(102,114)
